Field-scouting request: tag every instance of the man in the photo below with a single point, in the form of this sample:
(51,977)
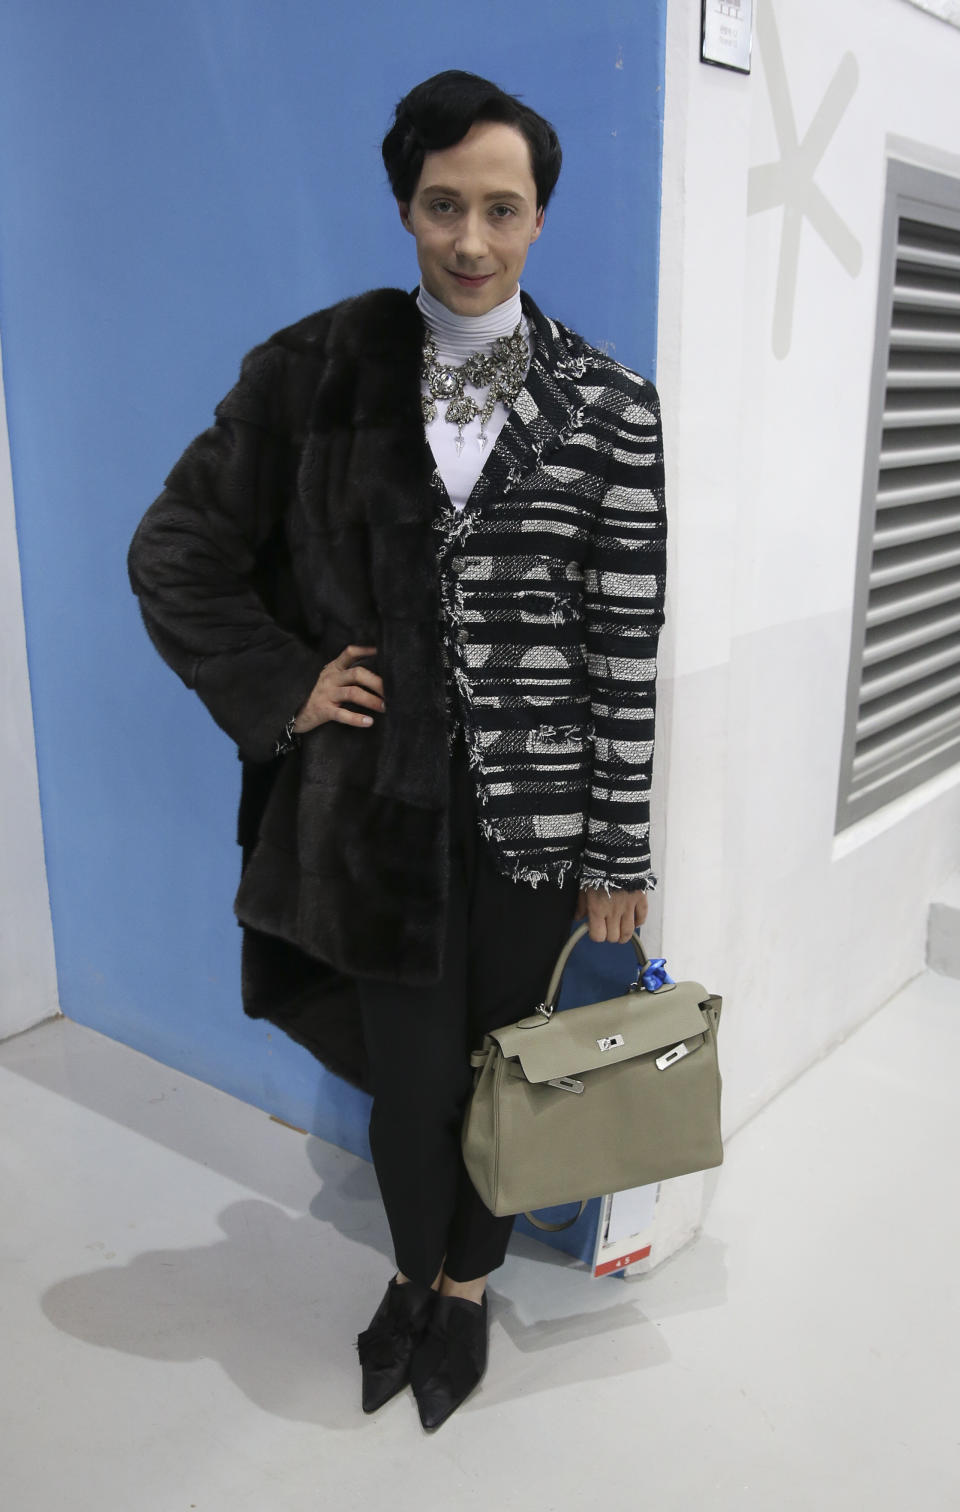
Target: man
(456,486)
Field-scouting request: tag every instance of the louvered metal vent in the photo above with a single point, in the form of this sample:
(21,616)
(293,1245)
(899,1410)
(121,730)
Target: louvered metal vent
(903,713)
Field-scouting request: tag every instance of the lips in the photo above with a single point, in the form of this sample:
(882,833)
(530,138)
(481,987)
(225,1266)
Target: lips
(468,281)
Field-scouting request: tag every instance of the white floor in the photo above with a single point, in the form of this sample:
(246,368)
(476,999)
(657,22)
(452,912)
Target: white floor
(183,1280)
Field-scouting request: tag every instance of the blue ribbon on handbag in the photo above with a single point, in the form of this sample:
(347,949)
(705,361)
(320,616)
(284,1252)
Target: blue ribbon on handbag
(654,976)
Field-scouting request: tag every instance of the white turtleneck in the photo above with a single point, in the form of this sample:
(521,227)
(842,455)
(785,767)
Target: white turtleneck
(457,336)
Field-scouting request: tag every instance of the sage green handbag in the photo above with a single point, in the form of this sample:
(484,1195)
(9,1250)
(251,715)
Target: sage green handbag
(616,1094)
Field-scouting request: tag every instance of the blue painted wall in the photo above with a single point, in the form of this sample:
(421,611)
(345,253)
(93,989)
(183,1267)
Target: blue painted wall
(177,180)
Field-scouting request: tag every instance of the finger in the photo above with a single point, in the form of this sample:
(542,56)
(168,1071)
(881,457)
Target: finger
(350,653)
(348,716)
(354,693)
(355,676)
(347,684)
(367,678)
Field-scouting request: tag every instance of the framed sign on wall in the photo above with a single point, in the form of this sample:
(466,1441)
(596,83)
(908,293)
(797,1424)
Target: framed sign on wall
(726,33)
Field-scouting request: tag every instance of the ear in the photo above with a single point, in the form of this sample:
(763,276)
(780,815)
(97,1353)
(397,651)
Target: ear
(537,225)
(403,207)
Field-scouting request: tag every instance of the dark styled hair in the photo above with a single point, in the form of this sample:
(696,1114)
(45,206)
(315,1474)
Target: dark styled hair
(439,112)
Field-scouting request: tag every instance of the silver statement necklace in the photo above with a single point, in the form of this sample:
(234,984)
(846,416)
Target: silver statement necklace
(501,372)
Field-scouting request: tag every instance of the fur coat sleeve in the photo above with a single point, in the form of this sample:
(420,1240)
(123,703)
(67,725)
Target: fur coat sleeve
(194,560)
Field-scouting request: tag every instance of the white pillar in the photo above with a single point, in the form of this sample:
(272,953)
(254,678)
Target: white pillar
(28,979)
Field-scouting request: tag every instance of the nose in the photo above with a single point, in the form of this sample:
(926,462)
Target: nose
(471,242)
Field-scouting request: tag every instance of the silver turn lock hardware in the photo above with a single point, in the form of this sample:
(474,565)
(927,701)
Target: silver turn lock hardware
(677,1053)
(611,1042)
(566,1083)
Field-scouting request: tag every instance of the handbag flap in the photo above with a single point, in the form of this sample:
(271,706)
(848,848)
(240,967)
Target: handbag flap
(572,1040)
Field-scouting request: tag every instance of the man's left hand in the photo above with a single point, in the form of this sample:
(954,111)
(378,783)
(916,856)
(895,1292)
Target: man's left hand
(612,918)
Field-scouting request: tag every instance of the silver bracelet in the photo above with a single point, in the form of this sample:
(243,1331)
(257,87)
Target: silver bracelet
(288,741)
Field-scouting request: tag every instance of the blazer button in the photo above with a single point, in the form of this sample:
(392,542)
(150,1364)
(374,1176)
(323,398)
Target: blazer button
(458,563)
(463,635)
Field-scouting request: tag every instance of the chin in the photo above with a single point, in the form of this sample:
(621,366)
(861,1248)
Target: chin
(476,305)
(477,302)
(464,301)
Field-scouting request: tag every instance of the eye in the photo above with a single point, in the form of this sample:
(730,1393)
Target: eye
(441,206)
(507,211)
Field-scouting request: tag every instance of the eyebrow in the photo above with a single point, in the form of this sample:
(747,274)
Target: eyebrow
(499,194)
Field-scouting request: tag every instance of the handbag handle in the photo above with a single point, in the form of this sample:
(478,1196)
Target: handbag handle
(547,1008)
(554,1228)
(553,991)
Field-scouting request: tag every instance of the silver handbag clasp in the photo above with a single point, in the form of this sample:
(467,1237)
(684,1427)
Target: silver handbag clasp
(677,1053)
(610,1042)
(566,1083)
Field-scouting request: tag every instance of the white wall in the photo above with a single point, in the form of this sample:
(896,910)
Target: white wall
(28,981)
(803,933)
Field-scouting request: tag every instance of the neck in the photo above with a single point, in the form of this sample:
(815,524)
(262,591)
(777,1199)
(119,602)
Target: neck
(460,335)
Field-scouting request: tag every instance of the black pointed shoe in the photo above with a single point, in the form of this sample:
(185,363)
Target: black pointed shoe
(450,1358)
(386,1346)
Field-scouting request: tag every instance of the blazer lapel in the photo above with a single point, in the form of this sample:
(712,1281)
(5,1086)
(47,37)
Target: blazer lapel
(543,414)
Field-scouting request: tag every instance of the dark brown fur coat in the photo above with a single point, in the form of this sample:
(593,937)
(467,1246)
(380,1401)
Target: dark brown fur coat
(301,522)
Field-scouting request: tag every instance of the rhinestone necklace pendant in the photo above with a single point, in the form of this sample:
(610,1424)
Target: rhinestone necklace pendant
(501,372)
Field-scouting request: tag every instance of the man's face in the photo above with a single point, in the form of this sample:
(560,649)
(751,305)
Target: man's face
(474,215)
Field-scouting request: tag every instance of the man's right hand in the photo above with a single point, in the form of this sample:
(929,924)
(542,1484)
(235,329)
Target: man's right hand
(341,682)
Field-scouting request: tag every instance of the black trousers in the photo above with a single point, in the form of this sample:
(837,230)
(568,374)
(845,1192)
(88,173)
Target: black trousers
(502,941)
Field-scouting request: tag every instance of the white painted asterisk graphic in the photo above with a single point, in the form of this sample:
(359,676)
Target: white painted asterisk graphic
(789,180)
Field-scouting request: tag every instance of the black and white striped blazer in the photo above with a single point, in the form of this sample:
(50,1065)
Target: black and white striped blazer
(552,601)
